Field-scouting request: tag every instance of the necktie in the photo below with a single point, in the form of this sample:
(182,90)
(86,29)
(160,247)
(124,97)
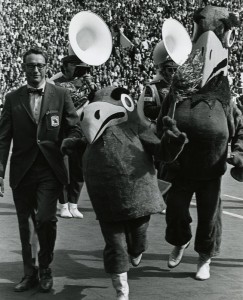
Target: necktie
(35,91)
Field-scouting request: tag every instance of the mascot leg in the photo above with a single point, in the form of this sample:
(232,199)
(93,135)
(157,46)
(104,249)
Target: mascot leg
(120,284)
(116,257)
(203,267)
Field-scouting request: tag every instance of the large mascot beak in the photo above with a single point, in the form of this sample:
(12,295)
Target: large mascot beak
(213,34)
(215,56)
(97,116)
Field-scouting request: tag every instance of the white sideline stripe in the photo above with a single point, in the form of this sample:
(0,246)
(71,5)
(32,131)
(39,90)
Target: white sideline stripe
(233,215)
(233,197)
(225,212)
(5,281)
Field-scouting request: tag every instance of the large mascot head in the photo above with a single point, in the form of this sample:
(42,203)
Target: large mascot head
(213,35)
(109,107)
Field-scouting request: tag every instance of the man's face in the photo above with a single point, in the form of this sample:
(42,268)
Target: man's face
(167,70)
(170,71)
(35,69)
(73,70)
(69,69)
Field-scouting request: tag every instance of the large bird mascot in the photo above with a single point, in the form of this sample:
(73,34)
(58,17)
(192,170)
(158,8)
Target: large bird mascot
(200,103)
(121,178)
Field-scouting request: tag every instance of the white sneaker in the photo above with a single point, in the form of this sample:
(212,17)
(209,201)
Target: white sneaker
(64,212)
(74,211)
(203,267)
(176,255)
(135,261)
(120,283)
(163,212)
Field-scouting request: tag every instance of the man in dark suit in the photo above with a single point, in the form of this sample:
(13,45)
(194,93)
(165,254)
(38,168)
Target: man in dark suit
(36,117)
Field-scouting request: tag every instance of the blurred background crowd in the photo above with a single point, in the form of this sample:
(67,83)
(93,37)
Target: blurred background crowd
(26,23)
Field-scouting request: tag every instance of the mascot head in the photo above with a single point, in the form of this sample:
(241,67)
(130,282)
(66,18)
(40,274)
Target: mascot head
(110,106)
(213,35)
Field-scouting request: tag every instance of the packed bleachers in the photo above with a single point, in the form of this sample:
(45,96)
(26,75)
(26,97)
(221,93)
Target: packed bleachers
(25,23)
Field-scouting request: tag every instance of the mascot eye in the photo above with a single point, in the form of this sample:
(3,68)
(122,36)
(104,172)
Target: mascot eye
(81,116)
(127,102)
(97,114)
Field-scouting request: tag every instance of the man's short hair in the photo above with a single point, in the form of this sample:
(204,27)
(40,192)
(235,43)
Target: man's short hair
(35,51)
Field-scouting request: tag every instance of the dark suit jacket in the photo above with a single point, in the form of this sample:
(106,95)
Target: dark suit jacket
(58,118)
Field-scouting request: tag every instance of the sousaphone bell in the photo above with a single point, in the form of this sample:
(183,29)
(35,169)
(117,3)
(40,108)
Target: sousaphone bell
(90,38)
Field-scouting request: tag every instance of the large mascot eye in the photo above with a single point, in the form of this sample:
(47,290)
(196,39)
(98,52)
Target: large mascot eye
(127,102)
(229,38)
(97,114)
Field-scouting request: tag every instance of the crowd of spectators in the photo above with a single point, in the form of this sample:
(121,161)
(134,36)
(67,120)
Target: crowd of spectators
(25,23)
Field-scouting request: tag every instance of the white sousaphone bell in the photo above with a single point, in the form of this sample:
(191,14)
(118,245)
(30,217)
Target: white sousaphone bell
(176,43)
(90,38)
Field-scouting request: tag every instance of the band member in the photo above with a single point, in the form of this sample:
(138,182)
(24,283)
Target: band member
(158,88)
(86,31)
(75,76)
(155,94)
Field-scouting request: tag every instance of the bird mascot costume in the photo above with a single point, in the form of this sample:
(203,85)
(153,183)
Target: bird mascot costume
(121,178)
(200,103)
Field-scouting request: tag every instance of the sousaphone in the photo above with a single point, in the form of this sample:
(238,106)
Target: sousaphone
(90,38)
(175,44)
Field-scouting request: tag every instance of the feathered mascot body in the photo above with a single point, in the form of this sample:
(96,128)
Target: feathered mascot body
(120,177)
(200,102)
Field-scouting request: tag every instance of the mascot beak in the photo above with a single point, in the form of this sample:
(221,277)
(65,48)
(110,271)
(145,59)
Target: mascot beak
(97,116)
(215,56)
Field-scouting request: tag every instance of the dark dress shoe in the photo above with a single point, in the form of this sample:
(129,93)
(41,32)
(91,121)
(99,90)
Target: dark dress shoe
(46,280)
(27,282)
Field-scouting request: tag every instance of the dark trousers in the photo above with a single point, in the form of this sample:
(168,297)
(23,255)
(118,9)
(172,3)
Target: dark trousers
(72,191)
(37,192)
(209,211)
(122,239)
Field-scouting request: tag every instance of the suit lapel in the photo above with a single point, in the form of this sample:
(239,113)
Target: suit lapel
(24,99)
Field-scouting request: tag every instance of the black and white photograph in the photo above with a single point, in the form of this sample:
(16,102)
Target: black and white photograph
(121,150)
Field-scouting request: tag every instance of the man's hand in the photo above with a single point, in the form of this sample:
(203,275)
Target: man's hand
(88,78)
(1,187)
